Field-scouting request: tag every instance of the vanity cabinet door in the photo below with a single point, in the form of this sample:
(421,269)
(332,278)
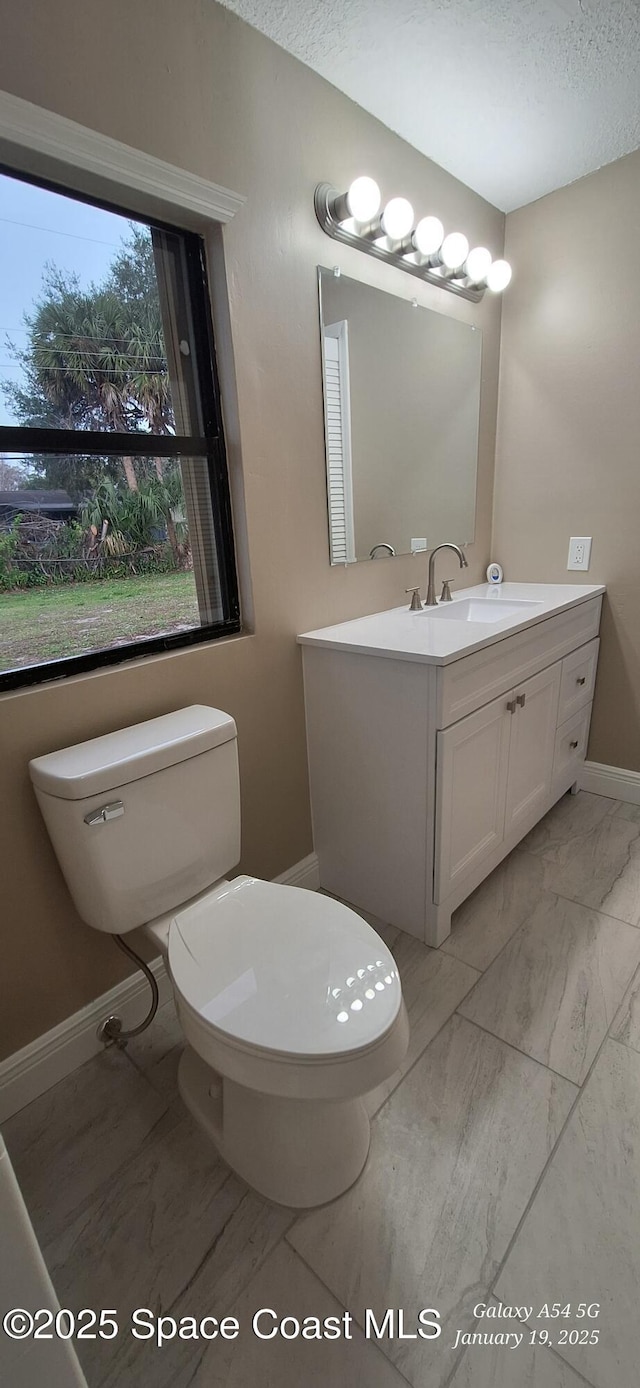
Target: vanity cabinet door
(471,787)
(531,748)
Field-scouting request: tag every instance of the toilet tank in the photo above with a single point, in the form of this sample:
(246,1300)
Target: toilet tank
(144,818)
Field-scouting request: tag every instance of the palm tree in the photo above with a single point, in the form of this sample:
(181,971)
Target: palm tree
(96,359)
(128,519)
(78,354)
(133,281)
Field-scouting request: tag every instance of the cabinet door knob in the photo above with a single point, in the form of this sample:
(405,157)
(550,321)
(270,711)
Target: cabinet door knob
(582,679)
(511,706)
(521,699)
(573,745)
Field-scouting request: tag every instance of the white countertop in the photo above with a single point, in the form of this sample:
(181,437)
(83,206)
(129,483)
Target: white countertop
(402,635)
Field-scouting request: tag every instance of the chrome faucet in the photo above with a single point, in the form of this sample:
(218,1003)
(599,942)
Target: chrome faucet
(431,589)
(382,545)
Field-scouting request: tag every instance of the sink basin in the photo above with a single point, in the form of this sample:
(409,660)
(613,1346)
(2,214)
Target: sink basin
(480,609)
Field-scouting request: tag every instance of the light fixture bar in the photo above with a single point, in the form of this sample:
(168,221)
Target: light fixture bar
(332,213)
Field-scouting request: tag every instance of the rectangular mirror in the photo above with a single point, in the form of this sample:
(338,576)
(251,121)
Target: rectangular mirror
(401,402)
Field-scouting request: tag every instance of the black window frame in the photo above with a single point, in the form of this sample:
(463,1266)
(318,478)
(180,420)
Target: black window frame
(210,447)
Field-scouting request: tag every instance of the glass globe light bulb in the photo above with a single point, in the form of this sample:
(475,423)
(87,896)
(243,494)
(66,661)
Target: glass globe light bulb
(478,264)
(363,199)
(454,250)
(499,275)
(397,219)
(427,237)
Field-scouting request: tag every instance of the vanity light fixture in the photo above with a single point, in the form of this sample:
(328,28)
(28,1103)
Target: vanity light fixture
(424,250)
(499,276)
(397,219)
(454,250)
(477,264)
(428,236)
(361,202)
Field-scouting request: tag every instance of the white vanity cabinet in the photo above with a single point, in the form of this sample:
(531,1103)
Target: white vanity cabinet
(494,771)
(427,770)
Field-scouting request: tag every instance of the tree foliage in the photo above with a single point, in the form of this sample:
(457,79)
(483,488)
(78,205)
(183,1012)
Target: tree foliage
(70,472)
(13,475)
(95,359)
(132,520)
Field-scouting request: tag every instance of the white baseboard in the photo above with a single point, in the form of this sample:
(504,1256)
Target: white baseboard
(31,1071)
(611,780)
(306,873)
(49,1058)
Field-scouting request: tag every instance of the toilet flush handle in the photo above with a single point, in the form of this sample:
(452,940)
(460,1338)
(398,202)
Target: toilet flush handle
(105,812)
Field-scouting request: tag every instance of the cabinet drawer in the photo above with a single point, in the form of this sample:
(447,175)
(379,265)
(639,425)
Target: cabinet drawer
(571,745)
(578,679)
(467,684)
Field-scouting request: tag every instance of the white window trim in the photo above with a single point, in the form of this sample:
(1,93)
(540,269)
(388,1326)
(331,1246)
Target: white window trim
(40,142)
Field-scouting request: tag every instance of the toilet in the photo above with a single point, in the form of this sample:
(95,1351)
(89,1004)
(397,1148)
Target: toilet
(290,1003)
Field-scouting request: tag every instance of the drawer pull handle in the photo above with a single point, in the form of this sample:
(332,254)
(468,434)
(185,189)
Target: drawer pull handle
(582,679)
(520,699)
(573,745)
(511,706)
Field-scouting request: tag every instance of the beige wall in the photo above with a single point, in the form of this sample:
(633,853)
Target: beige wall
(191,84)
(568,454)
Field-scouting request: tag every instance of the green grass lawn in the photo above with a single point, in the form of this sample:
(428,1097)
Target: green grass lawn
(76,618)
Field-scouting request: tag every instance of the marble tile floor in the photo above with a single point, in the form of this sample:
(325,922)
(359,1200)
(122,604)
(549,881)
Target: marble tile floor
(504,1166)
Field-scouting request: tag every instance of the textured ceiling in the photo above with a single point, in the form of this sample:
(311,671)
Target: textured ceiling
(514,97)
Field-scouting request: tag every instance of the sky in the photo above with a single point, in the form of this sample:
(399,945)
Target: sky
(37,227)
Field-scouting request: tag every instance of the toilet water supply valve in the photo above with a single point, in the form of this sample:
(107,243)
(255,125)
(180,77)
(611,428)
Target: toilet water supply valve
(111,1031)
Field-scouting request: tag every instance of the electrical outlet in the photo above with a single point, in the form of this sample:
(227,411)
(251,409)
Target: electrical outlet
(417,546)
(579,552)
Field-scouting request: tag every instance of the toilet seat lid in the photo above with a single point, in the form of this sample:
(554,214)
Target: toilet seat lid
(283,969)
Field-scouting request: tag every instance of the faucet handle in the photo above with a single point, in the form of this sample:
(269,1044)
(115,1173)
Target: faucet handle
(445,595)
(415,605)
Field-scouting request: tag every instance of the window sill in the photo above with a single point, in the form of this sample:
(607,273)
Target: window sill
(102,661)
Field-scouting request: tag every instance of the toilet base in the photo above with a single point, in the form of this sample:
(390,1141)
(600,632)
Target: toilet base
(297,1152)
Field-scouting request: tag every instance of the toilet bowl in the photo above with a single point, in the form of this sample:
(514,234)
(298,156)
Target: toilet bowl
(290,1003)
(292,1010)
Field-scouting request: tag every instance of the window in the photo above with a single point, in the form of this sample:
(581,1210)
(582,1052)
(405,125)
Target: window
(115,516)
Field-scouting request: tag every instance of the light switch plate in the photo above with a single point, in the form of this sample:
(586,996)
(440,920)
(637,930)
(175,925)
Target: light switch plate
(579,552)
